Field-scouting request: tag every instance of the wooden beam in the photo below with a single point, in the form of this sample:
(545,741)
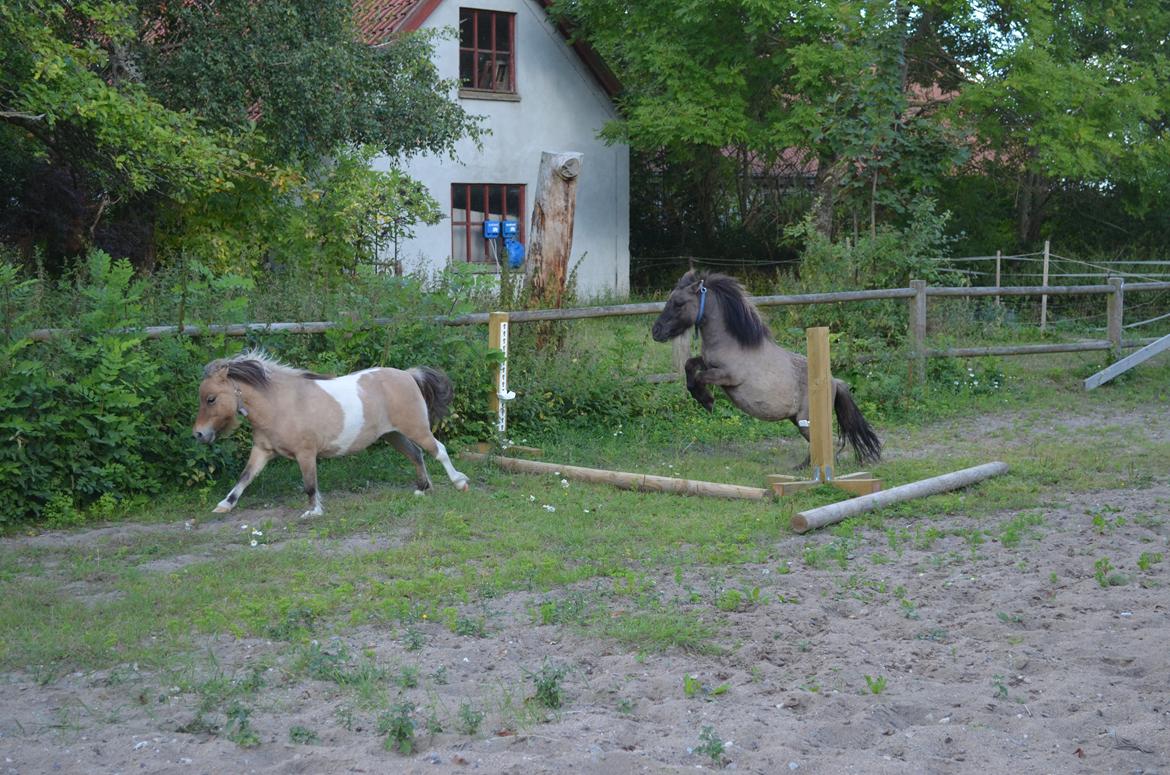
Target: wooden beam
(835,512)
(1128,362)
(622,479)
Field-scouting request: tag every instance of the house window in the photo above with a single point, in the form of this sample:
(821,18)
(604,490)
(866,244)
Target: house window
(471,204)
(487,46)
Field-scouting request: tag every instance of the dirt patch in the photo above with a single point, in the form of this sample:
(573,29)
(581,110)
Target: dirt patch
(945,645)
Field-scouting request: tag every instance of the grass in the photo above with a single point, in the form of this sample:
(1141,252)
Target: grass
(146,597)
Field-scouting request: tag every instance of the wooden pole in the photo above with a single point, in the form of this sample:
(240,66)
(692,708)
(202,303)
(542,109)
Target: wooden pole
(1128,362)
(998,257)
(1114,313)
(550,239)
(820,407)
(1044,297)
(835,512)
(918,329)
(623,480)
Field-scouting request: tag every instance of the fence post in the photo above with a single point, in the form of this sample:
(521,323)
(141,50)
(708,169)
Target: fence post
(918,329)
(498,340)
(1114,312)
(1044,296)
(997,285)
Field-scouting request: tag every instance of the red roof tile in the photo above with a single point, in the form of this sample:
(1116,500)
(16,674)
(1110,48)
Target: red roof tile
(377,20)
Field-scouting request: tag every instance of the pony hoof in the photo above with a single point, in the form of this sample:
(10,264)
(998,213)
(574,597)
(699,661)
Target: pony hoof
(311,513)
(419,493)
(221,509)
(463,486)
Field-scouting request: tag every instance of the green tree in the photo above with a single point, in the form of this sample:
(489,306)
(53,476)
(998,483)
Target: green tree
(119,117)
(298,71)
(1075,95)
(822,90)
(79,139)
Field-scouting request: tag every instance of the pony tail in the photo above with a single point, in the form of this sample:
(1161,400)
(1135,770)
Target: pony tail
(854,427)
(436,389)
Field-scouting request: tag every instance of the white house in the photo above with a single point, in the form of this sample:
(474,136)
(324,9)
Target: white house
(537,93)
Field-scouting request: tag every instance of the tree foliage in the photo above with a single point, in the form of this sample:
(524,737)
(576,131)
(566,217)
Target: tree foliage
(855,111)
(121,116)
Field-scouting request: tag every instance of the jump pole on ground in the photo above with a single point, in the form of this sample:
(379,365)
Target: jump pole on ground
(625,480)
(835,512)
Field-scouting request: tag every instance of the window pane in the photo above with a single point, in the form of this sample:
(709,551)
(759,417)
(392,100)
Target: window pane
(501,83)
(478,245)
(514,202)
(477,203)
(483,35)
(504,32)
(458,202)
(458,243)
(467,69)
(466,27)
(496,201)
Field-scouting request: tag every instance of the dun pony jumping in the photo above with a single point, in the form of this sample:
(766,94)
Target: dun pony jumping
(759,376)
(301,415)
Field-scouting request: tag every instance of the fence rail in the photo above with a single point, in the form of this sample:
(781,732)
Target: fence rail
(645,308)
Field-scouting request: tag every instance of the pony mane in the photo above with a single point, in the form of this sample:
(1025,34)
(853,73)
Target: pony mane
(740,315)
(257,368)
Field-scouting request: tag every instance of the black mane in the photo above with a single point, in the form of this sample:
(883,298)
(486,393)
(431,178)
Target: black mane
(250,372)
(740,315)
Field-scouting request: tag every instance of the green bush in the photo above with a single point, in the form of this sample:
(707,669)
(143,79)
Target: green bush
(102,416)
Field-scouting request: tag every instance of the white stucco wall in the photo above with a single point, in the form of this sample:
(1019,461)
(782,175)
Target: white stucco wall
(561,108)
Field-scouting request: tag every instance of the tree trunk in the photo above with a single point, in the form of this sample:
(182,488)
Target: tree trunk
(550,240)
(828,179)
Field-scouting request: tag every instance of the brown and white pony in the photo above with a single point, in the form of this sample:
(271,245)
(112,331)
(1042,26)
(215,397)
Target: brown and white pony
(301,415)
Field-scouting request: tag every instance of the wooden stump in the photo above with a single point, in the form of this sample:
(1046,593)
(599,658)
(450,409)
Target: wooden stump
(550,240)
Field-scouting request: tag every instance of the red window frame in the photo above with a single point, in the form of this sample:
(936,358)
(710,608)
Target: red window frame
(484,64)
(496,201)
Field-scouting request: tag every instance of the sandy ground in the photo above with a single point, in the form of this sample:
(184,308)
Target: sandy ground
(980,659)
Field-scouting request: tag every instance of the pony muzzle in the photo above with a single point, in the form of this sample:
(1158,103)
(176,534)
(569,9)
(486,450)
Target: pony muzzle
(204,436)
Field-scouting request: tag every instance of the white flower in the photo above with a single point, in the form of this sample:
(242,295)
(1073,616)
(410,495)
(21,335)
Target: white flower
(532,499)
(257,533)
(254,542)
(547,507)
(565,483)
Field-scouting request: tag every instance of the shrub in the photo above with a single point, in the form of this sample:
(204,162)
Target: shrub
(102,416)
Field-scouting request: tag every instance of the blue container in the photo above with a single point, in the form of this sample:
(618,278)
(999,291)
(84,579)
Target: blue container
(512,229)
(491,229)
(515,253)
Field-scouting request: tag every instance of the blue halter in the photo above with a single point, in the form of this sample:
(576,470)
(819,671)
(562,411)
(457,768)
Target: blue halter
(702,305)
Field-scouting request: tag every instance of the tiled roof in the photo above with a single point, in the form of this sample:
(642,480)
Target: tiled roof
(377,20)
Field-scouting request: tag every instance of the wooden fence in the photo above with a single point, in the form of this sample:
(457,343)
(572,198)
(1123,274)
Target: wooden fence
(919,293)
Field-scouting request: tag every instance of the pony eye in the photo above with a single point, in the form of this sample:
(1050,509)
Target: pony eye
(210,400)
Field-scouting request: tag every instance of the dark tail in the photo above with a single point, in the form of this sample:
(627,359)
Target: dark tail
(437,391)
(854,428)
